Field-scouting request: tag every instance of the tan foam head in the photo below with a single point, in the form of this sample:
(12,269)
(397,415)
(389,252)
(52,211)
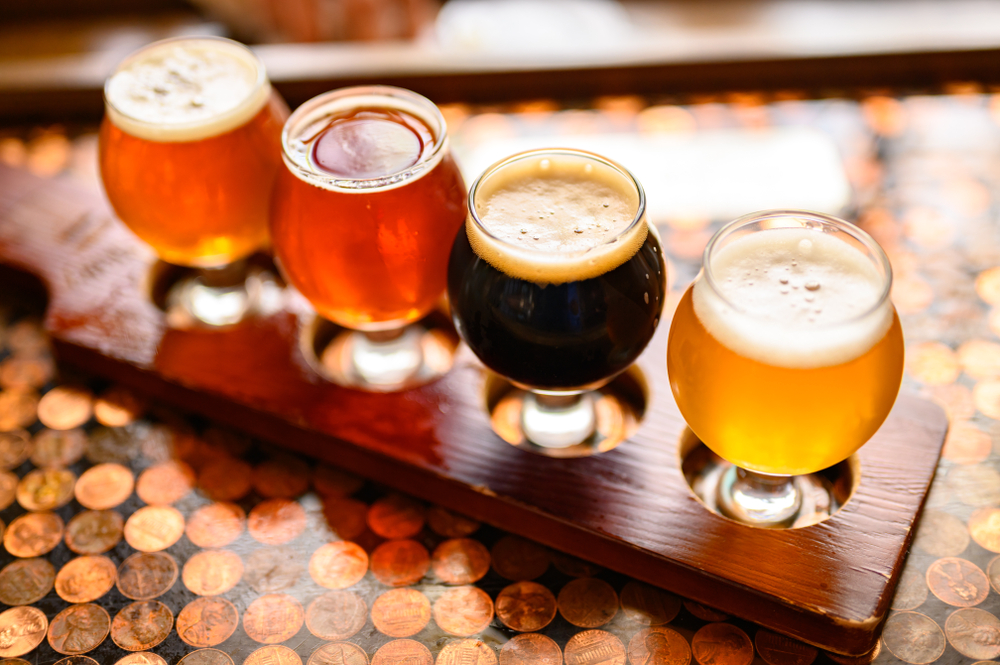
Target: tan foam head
(556,216)
(186,89)
(793,297)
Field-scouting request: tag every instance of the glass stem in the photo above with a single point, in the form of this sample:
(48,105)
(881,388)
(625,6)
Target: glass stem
(387,357)
(759,499)
(558,421)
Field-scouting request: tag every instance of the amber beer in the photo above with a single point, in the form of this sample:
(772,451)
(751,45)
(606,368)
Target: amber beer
(189,147)
(365,212)
(786,354)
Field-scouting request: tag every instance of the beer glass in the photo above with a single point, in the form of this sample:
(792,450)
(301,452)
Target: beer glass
(189,148)
(785,355)
(363,215)
(557,283)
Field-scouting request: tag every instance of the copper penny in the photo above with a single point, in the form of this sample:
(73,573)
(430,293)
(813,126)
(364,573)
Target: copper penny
(594,647)
(18,408)
(463,611)
(777,649)
(46,489)
(588,603)
(21,630)
(450,525)
(205,622)
(401,612)
(272,569)
(273,655)
(396,516)
(276,521)
(225,480)
(648,605)
(980,358)
(338,653)
(988,286)
(212,572)
(142,625)
(941,534)
(400,562)
(104,486)
(864,659)
(216,525)
(58,448)
(165,483)
(336,615)
(79,629)
(966,444)
(974,633)
(26,581)
(721,644)
(461,561)
(984,526)
(27,337)
(26,372)
(932,363)
(147,575)
(347,518)
(94,531)
(466,652)
(518,559)
(33,534)
(402,652)
(658,646)
(154,528)
(526,606)
(572,566)
(911,591)
(21,661)
(118,406)
(86,578)
(206,657)
(116,445)
(283,477)
(339,565)
(531,649)
(77,660)
(913,638)
(15,448)
(273,618)
(329,481)
(8,488)
(66,407)
(958,582)
(140,658)
(230,442)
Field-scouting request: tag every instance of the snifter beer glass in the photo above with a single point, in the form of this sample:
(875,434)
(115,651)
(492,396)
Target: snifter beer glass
(189,148)
(785,355)
(557,283)
(364,214)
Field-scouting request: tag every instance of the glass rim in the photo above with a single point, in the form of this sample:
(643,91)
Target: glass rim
(640,213)
(365,184)
(859,234)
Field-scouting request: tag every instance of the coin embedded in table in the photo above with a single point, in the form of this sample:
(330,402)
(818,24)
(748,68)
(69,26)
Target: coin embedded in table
(974,633)
(526,606)
(913,638)
(398,652)
(401,612)
(15,448)
(864,659)
(205,622)
(86,578)
(273,655)
(116,445)
(518,559)
(276,521)
(8,488)
(33,534)
(165,483)
(721,644)
(21,661)
(27,337)
(941,534)
(400,562)
(26,372)
(94,531)
(396,516)
(77,660)
(347,518)
(206,657)
(282,477)
(66,407)
(272,569)
(225,480)
(984,526)
(658,645)
(142,625)
(339,565)
(212,572)
(216,525)
(23,629)
(18,409)
(273,618)
(118,406)
(450,525)
(573,566)
(338,653)
(467,652)
(330,481)
(594,647)
(461,561)
(531,649)
(463,611)
(45,489)
(648,605)
(587,602)
(79,629)
(58,448)
(958,582)
(336,615)
(147,575)
(104,486)
(154,528)
(704,612)
(26,581)
(141,658)
(911,592)
(777,649)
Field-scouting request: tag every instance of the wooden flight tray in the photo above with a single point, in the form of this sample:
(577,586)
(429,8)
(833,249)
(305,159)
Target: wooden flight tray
(629,509)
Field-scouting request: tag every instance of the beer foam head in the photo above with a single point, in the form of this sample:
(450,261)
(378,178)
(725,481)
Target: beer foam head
(556,216)
(793,297)
(186,89)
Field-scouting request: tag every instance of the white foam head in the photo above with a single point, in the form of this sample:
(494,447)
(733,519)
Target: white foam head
(555,216)
(186,89)
(795,295)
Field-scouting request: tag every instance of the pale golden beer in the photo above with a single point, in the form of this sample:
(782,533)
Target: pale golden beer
(786,355)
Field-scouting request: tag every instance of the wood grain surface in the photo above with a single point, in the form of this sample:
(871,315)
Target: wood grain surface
(629,509)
